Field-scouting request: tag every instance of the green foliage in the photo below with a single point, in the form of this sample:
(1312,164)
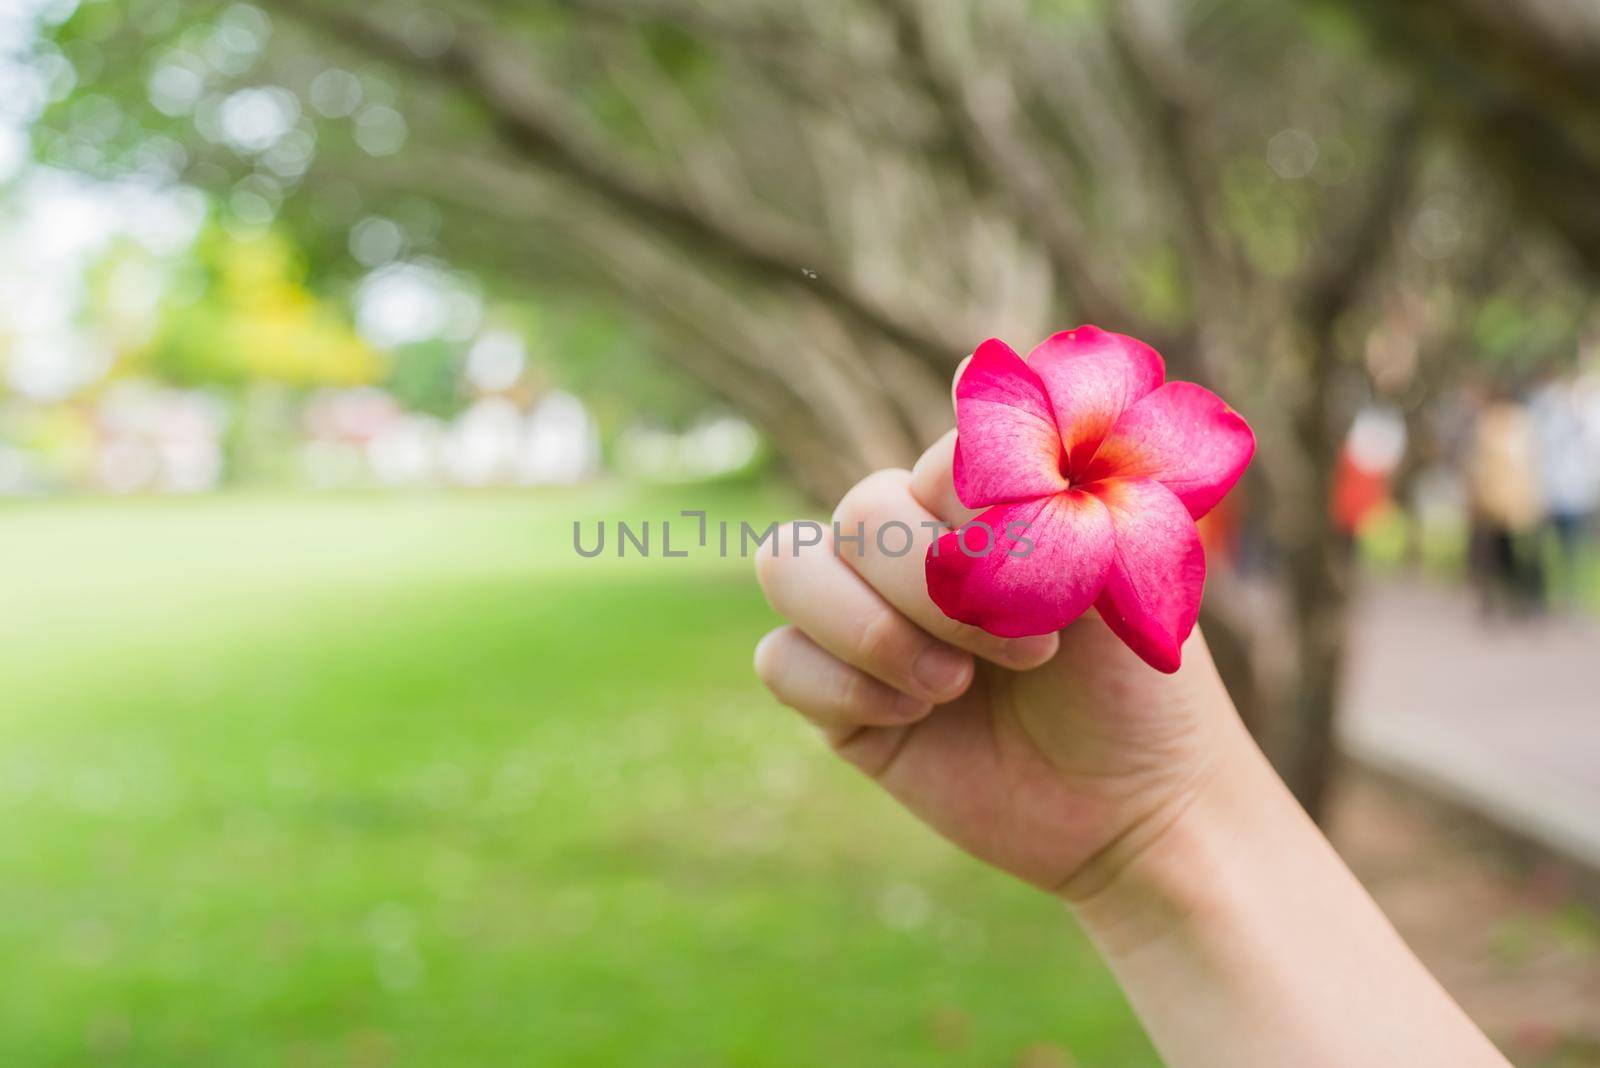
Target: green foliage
(1517,337)
(426,377)
(112,118)
(244,315)
(677,52)
(598,351)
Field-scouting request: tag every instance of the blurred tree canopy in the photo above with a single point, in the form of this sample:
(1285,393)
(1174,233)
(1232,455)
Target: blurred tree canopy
(816,209)
(239,312)
(1516,83)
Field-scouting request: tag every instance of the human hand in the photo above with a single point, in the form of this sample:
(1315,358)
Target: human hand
(1238,935)
(1055,757)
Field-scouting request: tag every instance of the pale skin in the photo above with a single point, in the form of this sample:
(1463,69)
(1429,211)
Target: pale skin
(1238,934)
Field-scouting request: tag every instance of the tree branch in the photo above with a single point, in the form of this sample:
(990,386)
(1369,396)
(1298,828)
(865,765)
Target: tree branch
(1334,280)
(984,121)
(764,364)
(1518,81)
(535,129)
(1173,93)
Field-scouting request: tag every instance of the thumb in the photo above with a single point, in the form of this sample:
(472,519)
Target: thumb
(933,483)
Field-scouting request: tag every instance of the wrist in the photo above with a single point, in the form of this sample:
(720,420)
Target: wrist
(1236,927)
(1173,868)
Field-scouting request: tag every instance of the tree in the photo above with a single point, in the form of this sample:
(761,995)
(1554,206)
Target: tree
(1516,82)
(816,210)
(245,316)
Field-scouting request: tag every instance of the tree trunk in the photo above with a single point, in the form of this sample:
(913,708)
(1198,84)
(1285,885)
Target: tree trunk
(1317,566)
(1308,756)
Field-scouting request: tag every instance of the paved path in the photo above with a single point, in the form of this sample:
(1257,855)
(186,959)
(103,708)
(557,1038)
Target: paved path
(1503,717)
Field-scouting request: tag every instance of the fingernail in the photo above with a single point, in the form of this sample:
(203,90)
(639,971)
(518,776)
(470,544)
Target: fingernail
(940,669)
(1031,651)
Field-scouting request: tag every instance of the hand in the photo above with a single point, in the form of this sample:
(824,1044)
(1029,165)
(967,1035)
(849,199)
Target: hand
(1056,758)
(1238,935)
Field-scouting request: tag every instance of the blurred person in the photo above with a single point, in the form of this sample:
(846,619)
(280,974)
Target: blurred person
(1364,473)
(1507,509)
(1568,437)
(1360,495)
(1136,797)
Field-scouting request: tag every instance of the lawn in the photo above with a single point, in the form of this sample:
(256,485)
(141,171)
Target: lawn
(402,780)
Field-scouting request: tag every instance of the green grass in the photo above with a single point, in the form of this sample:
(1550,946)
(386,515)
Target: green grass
(401,780)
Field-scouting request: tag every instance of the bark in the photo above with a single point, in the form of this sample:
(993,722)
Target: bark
(1318,558)
(1318,575)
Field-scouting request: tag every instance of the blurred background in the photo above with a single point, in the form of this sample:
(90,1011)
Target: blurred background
(323,323)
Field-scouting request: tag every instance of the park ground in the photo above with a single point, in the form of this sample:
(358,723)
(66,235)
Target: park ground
(401,780)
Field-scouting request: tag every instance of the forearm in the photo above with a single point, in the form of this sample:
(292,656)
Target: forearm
(1242,939)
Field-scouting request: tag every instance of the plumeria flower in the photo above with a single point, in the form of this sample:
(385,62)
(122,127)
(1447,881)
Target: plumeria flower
(1093,473)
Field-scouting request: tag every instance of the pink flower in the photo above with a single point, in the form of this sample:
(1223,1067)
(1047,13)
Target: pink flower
(1092,473)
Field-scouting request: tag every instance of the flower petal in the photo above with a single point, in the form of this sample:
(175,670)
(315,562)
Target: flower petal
(1092,376)
(1045,563)
(1185,438)
(1158,571)
(1007,447)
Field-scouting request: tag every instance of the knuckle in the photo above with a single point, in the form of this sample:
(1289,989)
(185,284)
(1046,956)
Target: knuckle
(867,499)
(973,639)
(852,693)
(881,638)
(775,559)
(803,537)
(782,564)
(768,656)
(767,567)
